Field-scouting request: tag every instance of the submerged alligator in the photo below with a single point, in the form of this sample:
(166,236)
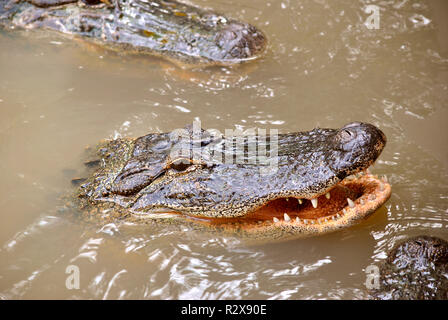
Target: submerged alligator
(183,33)
(416,269)
(309,186)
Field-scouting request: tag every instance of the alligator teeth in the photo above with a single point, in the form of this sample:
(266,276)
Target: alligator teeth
(333,217)
(305,221)
(287,218)
(313,222)
(298,219)
(351,204)
(384,179)
(381,186)
(362,201)
(327,195)
(344,211)
(314,202)
(275,220)
(287,199)
(300,201)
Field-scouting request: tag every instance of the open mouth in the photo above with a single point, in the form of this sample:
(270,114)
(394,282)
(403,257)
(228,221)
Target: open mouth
(353,199)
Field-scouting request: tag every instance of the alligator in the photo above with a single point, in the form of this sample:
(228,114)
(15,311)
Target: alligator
(415,269)
(182,33)
(308,183)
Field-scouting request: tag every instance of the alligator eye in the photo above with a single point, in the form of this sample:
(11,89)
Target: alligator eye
(180,165)
(91,2)
(346,135)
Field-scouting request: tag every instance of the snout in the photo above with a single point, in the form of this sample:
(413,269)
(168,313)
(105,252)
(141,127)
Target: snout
(240,41)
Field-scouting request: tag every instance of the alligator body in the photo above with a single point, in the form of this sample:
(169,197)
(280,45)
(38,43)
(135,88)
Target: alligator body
(183,33)
(416,269)
(306,185)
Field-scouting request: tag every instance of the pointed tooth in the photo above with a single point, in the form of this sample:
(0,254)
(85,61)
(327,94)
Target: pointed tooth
(305,221)
(314,202)
(313,222)
(287,218)
(327,195)
(300,201)
(298,220)
(351,204)
(344,211)
(275,220)
(326,220)
(381,186)
(287,199)
(333,217)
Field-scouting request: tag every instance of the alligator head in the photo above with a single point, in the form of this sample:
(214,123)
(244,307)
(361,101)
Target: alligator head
(415,269)
(306,187)
(183,33)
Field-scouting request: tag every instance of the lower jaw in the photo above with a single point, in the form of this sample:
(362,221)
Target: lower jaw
(287,217)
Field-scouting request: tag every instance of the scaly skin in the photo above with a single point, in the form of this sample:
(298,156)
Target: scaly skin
(185,34)
(144,179)
(416,269)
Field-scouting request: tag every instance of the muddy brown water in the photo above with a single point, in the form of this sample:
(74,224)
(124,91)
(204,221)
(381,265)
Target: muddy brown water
(324,67)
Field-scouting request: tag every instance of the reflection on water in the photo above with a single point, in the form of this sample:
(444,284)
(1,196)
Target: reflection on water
(323,68)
